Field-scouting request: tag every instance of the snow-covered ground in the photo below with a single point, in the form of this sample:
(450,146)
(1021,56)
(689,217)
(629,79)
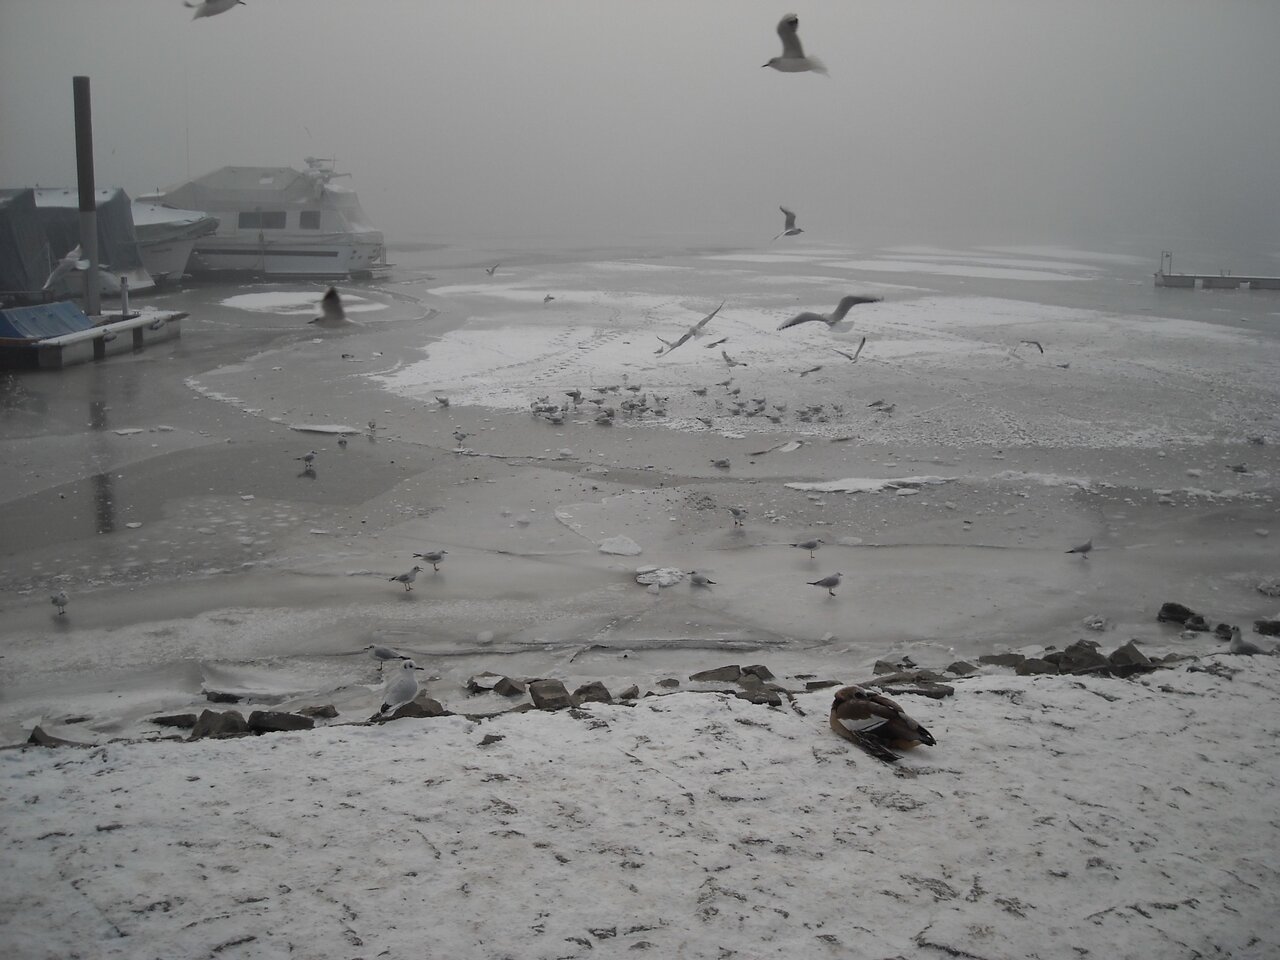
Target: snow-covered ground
(1056,817)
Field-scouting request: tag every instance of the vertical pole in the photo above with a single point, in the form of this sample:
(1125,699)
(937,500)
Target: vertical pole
(88,200)
(124,297)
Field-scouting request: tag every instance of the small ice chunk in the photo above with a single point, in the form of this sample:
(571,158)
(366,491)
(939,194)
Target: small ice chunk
(620,546)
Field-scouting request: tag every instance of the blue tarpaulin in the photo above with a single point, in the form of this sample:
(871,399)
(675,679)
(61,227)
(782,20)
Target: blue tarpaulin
(45,320)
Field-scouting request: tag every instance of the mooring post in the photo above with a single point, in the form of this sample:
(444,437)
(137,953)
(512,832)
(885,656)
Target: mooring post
(88,200)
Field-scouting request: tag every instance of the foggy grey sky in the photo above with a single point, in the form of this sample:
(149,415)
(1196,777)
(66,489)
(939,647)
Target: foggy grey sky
(606,121)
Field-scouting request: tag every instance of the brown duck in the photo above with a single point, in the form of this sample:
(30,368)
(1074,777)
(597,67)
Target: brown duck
(875,723)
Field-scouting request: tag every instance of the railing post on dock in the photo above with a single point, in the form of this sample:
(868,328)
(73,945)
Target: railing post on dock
(88,199)
(124,297)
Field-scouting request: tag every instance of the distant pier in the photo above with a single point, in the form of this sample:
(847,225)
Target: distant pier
(1165,277)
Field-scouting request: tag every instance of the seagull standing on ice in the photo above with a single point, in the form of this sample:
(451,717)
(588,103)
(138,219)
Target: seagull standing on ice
(308,460)
(1083,548)
(331,312)
(406,578)
(699,580)
(793,59)
(211,8)
(432,557)
(739,514)
(830,582)
(59,600)
(789,228)
(832,318)
(810,545)
(383,654)
(401,688)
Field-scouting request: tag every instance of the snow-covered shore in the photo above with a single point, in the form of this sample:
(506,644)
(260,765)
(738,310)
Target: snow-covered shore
(1056,817)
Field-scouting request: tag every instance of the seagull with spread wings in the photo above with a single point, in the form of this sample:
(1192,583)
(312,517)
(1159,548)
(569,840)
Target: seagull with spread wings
(793,59)
(692,331)
(832,318)
(789,228)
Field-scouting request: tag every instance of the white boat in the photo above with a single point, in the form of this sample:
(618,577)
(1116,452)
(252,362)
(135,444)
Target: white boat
(166,237)
(280,222)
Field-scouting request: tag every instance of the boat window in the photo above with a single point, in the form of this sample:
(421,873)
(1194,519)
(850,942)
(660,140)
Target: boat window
(261,220)
(309,219)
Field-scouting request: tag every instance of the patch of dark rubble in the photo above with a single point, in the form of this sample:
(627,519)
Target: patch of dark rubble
(755,683)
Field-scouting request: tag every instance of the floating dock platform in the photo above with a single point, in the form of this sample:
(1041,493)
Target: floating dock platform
(1165,277)
(1215,281)
(56,335)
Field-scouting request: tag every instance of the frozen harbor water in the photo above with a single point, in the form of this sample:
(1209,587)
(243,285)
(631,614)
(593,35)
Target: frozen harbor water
(163,493)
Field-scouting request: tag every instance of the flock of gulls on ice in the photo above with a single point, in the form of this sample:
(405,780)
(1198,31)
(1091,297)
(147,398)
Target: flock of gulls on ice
(868,719)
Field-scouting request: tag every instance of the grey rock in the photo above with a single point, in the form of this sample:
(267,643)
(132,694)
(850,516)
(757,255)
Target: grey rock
(1197,623)
(922,676)
(1129,655)
(935,691)
(422,707)
(1033,665)
(760,694)
(508,687)
(550,695)
(1174,613)
(211,723)
(277,721)
(820,684)
(216,696)
(593,692)
(884,666)
(1270,588)
(326,712)
(184,721)
(726,674)
(1081,656)
(1002,659)
(669,682)
(483,682)
(42,739)
(758,670)
(962,668)
(492,738)
(1222,631)
(1268,628)
(631,693)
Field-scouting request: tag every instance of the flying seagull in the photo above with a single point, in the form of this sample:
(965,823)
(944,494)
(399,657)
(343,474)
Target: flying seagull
(875,723)
(730,361)
(793,59)
(211,8)
(406,578)
(492,270)
(830,319)
(830,582)
(70,261)
(789,228)
(331,312)
(1083,548)
(692,331)
(401,688)
(852,356)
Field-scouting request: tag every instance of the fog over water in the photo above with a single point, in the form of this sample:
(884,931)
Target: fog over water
(585,123)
